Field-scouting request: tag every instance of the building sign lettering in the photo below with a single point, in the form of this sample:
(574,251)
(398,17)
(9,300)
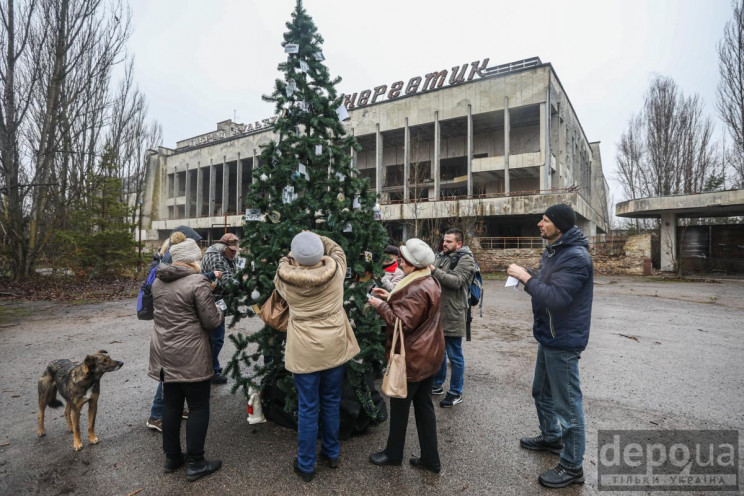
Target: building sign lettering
(234,130)
(431,81)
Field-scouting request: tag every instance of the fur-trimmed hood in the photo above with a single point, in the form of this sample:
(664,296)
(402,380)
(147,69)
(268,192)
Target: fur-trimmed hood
(308,277)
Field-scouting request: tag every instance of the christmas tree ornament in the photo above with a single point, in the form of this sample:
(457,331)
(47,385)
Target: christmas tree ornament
(348,227)
(291,87)
(355,204)
(288,194)
(319,56)
(255,295)
(340,197)
(264,177)
(340,176)
(303,170)
(291,48)
(303,66)
(274,216)
(364,277)
(318,149)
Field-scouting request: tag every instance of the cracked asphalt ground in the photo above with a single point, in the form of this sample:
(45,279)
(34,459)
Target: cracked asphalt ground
(662,355)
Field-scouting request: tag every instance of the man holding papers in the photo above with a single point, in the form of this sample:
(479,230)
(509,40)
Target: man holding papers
(562,292)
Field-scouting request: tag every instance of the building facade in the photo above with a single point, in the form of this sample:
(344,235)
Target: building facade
(497,143)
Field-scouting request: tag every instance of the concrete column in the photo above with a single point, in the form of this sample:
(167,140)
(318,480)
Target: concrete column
(187,203)
(254,166)
(405,232)
(547,169)
(470,151)
(199,195)
(175,193)
(406,162)
(239,186)
(225,185)
(379,166)
(212,186)
(436,173)
(668,241)
(507,145)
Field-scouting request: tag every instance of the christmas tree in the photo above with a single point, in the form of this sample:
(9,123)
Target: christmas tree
(305,181)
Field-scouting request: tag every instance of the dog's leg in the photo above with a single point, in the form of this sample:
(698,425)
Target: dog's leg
(77,442)
(92,409)
(68,421)
(46,388)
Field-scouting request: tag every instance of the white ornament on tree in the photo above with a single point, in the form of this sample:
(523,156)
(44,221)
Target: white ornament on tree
(264,177)
(255,295)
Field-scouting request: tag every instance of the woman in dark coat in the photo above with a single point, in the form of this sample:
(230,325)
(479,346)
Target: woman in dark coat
(181,356)
(416,302)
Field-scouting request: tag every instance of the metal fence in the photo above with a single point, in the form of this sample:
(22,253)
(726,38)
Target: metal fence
(504,243)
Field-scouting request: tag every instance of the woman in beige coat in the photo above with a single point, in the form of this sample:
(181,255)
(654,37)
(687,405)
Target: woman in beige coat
(319,342)
(181,355)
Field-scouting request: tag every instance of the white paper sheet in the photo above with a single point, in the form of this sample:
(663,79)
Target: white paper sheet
(512,282)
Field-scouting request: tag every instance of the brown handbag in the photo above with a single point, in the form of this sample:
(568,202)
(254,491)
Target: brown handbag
(395,381)
(275,312)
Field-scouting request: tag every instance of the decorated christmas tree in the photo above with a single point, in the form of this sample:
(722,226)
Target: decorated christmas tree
(305,181)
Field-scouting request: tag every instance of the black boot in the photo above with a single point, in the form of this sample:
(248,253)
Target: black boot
(561,476)
(197,466)
(173,463)
(540,444)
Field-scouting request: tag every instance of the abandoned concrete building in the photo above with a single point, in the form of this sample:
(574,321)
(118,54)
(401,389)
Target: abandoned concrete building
(500,143)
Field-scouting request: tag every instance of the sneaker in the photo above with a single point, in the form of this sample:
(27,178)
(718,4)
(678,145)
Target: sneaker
(219,379)
(155,424)
(332,462)
(561,476)
(437,390)
(540,444)
(185,413)
(451,400)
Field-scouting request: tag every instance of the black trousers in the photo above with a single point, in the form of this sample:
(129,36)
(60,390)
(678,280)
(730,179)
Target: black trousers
(196,395)
(426,423)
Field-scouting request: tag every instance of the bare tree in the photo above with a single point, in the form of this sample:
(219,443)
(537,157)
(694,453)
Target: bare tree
(58,114)
(730,101)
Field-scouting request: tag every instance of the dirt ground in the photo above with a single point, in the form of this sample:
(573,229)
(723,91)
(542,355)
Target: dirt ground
(662,355)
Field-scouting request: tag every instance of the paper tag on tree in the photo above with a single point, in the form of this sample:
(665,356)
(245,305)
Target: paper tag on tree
(303,66)
(253,215)
(355,203)
(304,106)
(319,56)
(221,305)
(288,194)
(240,263)
(319,149)
(348,228)
(291,48)
(340,176)
(291,87)
(342,113)
(303,171)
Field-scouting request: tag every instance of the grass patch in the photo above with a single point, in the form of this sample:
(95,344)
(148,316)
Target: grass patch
(12,313)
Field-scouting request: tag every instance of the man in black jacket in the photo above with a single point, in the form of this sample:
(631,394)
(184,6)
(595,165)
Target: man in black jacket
(562,292)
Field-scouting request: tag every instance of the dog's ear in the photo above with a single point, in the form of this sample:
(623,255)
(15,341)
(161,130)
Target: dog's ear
(90,362)
(101,352)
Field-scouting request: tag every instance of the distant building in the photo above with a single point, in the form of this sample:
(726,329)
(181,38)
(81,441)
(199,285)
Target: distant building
(498,142)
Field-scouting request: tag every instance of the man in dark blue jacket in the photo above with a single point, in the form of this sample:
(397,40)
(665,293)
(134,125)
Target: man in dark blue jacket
(562,292)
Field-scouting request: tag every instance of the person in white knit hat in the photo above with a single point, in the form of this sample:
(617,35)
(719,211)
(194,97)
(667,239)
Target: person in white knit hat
(181,355)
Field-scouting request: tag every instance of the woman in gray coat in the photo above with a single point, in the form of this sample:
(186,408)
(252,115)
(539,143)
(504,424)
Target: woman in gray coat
(181,356)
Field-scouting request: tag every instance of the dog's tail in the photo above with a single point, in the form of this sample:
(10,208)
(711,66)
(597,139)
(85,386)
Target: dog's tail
(48,391)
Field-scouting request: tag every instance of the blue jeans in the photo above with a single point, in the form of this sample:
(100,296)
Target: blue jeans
(318,392)
(453,351)
(158,404)
(558,400)
(217,337)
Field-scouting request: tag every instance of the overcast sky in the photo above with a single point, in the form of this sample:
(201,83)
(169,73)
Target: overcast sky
(200,62)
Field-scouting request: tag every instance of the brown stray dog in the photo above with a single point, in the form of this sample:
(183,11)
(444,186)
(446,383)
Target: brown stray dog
(78,385)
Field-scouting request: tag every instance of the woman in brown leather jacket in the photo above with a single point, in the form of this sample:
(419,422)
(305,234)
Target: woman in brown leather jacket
(416,302)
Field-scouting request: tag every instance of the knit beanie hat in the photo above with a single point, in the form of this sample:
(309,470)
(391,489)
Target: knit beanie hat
(392,250)
(186,251)
(563,216)
(307,248)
